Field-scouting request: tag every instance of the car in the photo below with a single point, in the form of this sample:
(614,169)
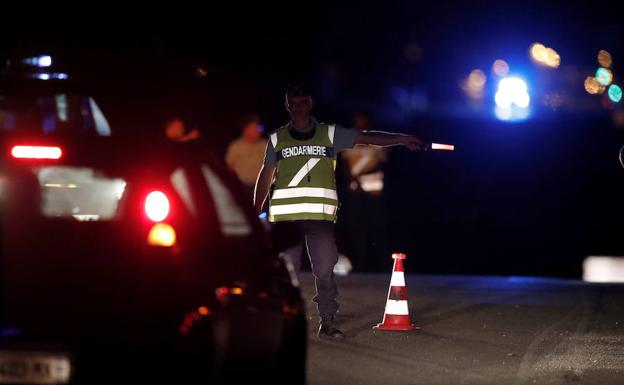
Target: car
(126,260)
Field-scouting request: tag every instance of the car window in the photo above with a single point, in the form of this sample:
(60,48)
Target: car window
(231,216)
(62,112)
(82,193)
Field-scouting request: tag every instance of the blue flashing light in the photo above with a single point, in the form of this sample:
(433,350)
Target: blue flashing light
(512,99)
(51,76)
(42,61)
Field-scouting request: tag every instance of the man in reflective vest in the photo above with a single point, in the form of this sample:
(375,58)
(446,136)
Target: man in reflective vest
(300,159)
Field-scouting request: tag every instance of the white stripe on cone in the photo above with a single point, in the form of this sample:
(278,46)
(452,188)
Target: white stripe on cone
(398,279)
(396,307)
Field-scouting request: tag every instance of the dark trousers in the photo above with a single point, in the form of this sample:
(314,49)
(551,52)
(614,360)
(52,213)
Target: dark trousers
(320,242)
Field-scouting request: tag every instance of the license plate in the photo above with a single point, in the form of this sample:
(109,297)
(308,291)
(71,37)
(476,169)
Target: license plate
(18,367)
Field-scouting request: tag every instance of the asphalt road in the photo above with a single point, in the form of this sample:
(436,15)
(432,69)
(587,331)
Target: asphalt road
(474,330)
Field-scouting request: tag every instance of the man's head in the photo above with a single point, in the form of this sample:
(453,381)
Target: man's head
(251,128)
(298,103)
(175,129)
(361,120)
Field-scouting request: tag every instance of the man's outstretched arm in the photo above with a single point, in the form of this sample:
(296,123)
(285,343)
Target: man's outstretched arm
(385,139)
(263,184)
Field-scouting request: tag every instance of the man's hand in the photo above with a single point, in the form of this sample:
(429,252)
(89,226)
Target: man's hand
(263,185)
(411,142)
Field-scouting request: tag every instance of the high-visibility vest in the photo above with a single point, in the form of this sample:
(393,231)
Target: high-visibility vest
(305,186)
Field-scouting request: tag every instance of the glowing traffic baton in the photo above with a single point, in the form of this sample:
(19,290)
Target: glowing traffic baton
(443,147)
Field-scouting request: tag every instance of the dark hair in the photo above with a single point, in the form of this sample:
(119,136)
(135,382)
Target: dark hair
(244,120)
(297,90)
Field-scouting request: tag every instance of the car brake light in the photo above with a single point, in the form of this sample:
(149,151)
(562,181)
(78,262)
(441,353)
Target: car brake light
(36,152)
(161,234)
(157,206)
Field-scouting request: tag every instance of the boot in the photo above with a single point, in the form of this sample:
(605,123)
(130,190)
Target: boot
(328,330)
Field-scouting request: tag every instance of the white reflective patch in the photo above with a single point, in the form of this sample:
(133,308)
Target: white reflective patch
(603,269)
(300,208)
(61,106)
(86,217)
(101,124)
(343,267)
(396,307)
(274,140)
(398,279)
(231,217)
(303,171)
(372,182)
(300,192)
(181,185)
(331,129)
(361,163)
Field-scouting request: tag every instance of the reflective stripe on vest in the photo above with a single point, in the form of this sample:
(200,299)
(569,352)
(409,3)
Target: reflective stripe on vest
(303,171)
(331,129)
(300,208)
(299,192)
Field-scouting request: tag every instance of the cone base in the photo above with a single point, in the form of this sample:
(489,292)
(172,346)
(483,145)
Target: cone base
(395,327)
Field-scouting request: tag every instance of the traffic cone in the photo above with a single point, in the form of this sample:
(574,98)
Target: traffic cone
(396,315)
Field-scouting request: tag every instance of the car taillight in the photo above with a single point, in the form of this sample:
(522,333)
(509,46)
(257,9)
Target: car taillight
(161,234)
(157,206)
(36,152)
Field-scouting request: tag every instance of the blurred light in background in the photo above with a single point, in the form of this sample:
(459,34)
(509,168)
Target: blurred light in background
(39,61)
(474,84)
(50,76)
(604,76)
(603,269)
(512,91)
(538,52)
(615,93)
(511,114)
(500,68)
(592,86)
(604,58)
(512,99)
(545,56)
(553,60)
(201,72)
